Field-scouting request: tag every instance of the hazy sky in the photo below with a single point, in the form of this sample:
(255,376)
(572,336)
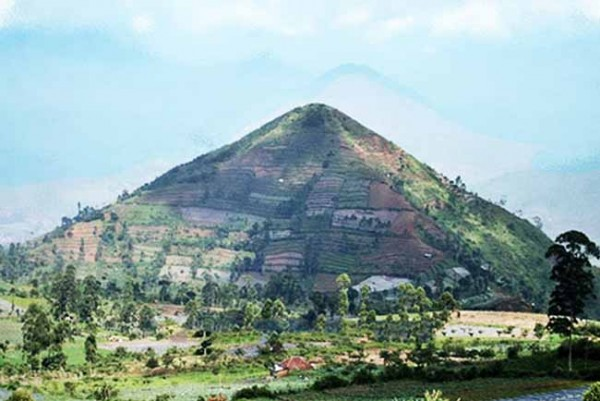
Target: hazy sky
(89,89)
(83,81)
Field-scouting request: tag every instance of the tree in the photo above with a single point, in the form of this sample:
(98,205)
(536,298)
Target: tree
(251,312)
(278,310)
(267,310)
(193,312)
(210,293)
(90,299)
(571,270)
(91,349)
(164,294)
(64,293)
(593,393)
(363,310)
(146,319)
(320,323)
(448,303)
(55,359)
(418,320)
(343,283)
(37,333)
(274,343)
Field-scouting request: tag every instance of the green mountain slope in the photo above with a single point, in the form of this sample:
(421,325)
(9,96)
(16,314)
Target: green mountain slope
(313,193)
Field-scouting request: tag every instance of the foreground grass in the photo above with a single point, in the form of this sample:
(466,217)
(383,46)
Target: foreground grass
(472,390)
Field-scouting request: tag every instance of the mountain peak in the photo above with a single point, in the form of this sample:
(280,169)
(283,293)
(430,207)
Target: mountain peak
(315,193)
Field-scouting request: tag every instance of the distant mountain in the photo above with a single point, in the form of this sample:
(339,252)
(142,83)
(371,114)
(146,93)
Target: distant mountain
(313,193)
(563,200)
(403,116)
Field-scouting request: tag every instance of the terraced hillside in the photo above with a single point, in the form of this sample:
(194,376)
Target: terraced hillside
(312,193)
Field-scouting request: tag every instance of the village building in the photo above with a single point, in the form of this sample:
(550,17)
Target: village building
(385,284)
(294,363)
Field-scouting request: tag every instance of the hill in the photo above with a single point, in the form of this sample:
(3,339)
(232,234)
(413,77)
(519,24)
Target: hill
(312,193)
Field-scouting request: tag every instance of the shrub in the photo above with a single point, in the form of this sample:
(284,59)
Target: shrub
(330,381)
(364,376)
(121,352)
(249,393)
(105,392)
(434,395)
(152,363)
(396,372)
(513,351)
(487,353)
(583,348)
(593,393)
(589,374)
(20,394)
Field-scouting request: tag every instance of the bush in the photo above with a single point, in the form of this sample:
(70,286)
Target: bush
(487,353)
(152,363)
(396,372)
(105,392)
(583,348)
(20,394)
(329,381)
(589,374)
(364,376)
(249,393)
(435,395)
(593,393)
(121,352)
(513,351)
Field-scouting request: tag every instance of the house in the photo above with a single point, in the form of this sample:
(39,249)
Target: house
(289,365)
(458,275)
(381,283)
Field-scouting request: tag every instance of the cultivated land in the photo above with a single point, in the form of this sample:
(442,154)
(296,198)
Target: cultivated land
(262,270)
(243,364)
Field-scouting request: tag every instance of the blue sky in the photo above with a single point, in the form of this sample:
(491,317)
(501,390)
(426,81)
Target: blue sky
(91,88)
(101,90)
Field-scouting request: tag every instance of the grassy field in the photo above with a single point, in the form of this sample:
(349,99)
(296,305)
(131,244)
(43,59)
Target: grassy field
(197,378)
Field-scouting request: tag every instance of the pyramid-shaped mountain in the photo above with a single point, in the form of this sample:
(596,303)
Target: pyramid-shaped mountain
(314,193)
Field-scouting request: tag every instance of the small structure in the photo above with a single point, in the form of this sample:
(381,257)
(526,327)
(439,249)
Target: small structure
(458,273)
(381,283)
(431,288)
(289,365)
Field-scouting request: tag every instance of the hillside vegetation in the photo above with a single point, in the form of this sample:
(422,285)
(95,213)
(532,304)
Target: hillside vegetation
(312,193)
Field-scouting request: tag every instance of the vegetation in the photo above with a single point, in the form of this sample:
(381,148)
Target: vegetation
(574,281)
(276,289)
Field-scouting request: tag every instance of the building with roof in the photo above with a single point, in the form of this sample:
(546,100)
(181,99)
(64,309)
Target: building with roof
(381,283)
(291,364)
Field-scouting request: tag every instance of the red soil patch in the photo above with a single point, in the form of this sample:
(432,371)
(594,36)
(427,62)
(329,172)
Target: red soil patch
(381,196)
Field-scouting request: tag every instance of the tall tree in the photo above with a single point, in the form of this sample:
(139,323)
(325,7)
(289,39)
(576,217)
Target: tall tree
(90,299)
(37,333)
(65,295)
(91,349)
(571,270)
(343,283)
(250,312)
(147,318)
